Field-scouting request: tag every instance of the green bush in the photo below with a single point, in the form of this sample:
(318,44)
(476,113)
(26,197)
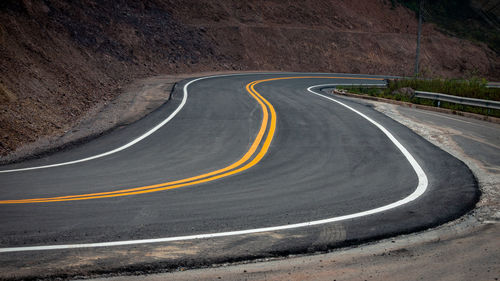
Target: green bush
(472,88)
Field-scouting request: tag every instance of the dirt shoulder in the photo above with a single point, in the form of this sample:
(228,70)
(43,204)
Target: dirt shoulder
(437,255)
(137,100)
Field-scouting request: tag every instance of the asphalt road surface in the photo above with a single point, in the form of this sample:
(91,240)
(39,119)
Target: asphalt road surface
(239,153)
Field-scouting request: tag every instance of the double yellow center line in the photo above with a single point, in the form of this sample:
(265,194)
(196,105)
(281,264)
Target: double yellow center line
(268,124)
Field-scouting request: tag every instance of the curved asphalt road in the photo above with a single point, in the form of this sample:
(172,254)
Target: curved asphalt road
(324,161)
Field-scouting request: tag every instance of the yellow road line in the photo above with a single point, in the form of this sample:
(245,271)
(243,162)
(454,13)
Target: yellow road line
(247,156)
(167,185)
(203,177)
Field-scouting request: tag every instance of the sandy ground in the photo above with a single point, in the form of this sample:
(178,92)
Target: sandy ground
(465,249)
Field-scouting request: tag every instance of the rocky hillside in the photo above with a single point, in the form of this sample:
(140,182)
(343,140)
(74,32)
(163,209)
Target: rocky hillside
(61,58)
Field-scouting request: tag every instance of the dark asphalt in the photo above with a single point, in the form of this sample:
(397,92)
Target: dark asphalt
(324,161)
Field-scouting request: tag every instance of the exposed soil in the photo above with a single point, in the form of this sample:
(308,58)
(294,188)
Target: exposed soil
(61,60)
(136,100)
(473,256)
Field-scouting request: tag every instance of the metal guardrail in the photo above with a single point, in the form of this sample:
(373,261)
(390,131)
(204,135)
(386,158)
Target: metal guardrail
(489,104)
(493,85)
(373,85)
(458,100)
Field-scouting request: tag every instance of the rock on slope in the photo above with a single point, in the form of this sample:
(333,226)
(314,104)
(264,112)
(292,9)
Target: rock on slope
(59,59)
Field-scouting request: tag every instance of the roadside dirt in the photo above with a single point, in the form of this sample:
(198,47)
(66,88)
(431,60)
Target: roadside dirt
(473,256)
(62,62)
(135,101)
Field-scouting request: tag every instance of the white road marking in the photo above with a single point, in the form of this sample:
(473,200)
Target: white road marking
(148,133)
(421,188)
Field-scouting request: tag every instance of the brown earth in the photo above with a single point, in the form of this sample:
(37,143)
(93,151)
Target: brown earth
(470,256)
(60,60)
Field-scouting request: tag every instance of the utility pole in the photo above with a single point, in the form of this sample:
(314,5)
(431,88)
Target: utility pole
(419,34)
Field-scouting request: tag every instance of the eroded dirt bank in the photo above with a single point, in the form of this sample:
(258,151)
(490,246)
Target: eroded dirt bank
(60,60)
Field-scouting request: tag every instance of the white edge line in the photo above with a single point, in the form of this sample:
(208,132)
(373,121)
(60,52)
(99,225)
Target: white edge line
(421,188)
(145,135)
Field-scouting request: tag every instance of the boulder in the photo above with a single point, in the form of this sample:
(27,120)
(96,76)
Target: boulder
(407,92)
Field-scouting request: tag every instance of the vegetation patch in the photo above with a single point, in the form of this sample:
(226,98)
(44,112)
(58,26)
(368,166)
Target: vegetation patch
(470,88)
(403,89)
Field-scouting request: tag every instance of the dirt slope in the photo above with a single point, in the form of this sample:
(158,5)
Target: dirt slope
(60,59)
